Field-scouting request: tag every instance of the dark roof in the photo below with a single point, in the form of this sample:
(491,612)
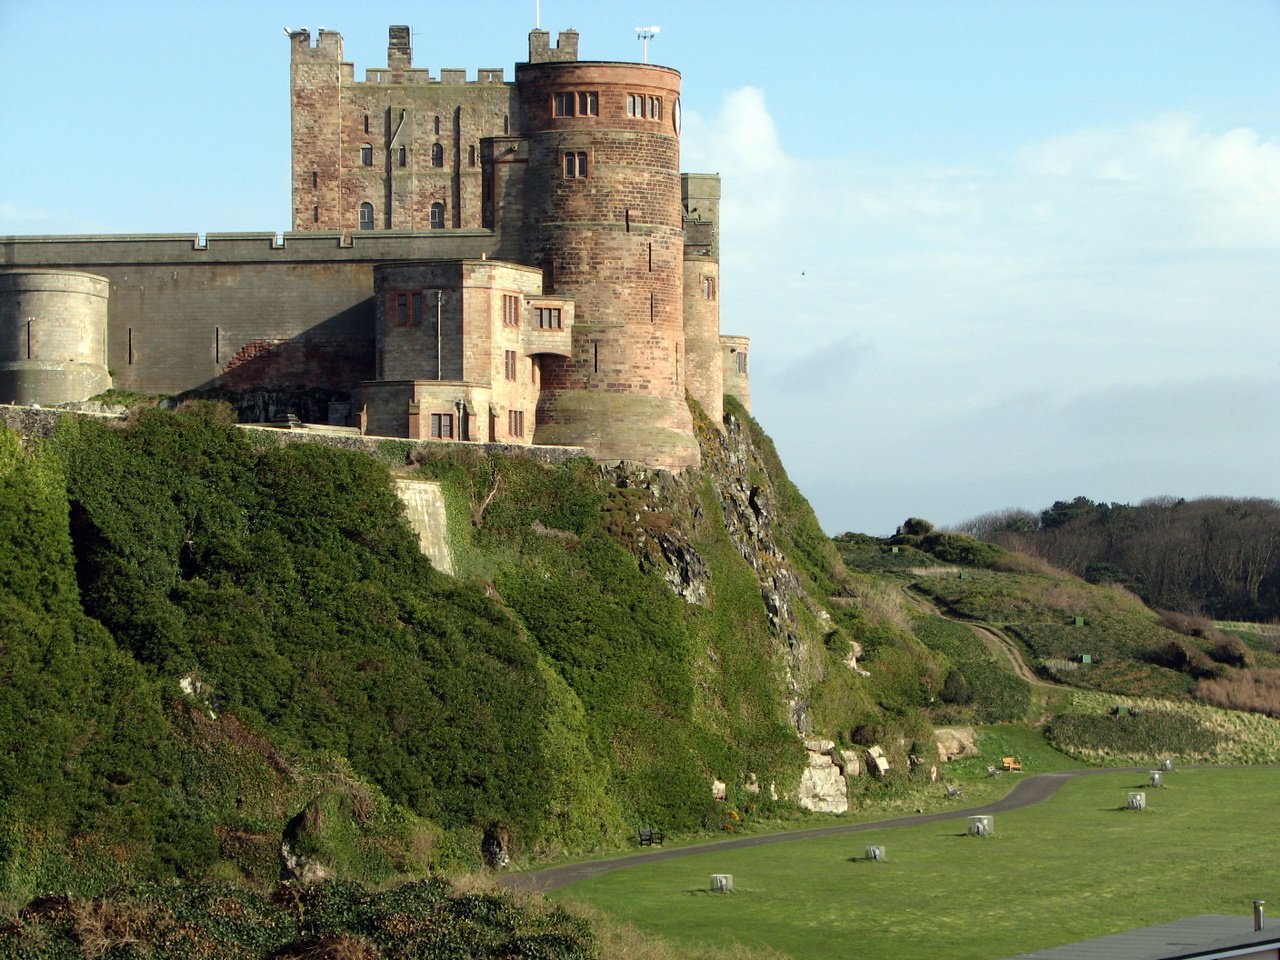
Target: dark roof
(1208,936)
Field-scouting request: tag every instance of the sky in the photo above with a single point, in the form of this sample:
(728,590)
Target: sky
(990,254)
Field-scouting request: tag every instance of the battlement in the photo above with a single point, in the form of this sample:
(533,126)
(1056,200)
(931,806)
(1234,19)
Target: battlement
(182,248)
(541,51)
(328,45)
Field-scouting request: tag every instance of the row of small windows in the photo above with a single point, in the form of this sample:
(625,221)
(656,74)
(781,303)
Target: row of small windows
(580,103)
(402,157)
(437,123)
(645,107)
(576,104)
(366,216)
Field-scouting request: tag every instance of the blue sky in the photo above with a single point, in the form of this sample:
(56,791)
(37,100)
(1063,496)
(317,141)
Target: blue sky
(989,254)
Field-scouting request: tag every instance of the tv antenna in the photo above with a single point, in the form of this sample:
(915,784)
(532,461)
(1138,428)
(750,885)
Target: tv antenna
(646,34)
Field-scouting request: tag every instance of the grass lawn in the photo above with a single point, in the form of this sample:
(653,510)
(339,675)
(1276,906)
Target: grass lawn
(1076,867)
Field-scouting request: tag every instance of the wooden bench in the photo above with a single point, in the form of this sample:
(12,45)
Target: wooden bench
(650,837)
(1011,763)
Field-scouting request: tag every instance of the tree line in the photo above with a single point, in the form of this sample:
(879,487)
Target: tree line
(1218,556)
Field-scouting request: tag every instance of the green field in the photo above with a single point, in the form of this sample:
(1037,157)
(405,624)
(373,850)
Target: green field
(1076,867)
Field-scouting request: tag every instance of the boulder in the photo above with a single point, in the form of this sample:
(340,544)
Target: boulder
(955,742)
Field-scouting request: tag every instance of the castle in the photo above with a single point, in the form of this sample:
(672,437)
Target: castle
(493,260)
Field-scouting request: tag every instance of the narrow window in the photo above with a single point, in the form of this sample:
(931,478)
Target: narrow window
(130,344)
(315,214)
(575,165)
(635,105)
(366,123)
(366,155)
(437,216)
(709,288)
(402,310)
(548,275)
(315,180)
(416,317)
(404,156)
(437,126)
(595,356)
(442,426)
(655,108)
(510,310)
(562,104)
(506,124)
(509,365)
(471,155)
(652,311)
(651,258)
(437,155)
(366,216)
(742,363)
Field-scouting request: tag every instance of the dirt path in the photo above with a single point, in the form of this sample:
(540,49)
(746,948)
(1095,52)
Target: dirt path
(1032,790)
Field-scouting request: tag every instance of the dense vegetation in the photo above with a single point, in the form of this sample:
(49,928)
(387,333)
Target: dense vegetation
(1215,555)
(423,920)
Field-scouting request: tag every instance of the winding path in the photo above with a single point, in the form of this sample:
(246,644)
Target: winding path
(1032,790)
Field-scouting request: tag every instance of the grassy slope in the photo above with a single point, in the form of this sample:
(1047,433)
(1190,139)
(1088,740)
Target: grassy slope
(1074,868)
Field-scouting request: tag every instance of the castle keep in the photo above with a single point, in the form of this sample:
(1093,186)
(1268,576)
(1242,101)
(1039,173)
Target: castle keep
(489,259)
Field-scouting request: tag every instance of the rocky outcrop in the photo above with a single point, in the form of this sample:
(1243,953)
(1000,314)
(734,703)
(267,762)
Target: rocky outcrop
(823,788)
(954,742)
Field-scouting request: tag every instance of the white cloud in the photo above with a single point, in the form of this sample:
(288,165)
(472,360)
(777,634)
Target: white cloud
(903,316)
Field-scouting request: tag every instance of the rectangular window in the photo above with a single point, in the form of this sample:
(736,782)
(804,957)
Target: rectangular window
(709,288)
(635,105)
(655,108)
(417,309)
(442,426)
(510,364)
(515,423)
(549,318)
(575,165)
(366,155)
(402,310)
(742,363)
(510,310)
(577,103)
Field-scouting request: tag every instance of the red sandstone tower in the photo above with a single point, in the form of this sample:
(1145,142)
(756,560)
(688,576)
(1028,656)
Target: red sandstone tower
(603,219)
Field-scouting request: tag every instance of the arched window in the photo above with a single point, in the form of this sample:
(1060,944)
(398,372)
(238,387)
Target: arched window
(437,216)
(366,216)
(366,154)
(437,155)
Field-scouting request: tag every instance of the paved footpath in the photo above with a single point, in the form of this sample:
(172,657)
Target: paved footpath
(1026,792)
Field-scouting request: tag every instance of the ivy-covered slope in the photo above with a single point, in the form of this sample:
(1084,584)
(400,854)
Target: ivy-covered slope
(212,641)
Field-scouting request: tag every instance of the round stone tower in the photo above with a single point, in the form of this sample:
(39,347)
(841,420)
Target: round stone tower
(53,336)
(603,219)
